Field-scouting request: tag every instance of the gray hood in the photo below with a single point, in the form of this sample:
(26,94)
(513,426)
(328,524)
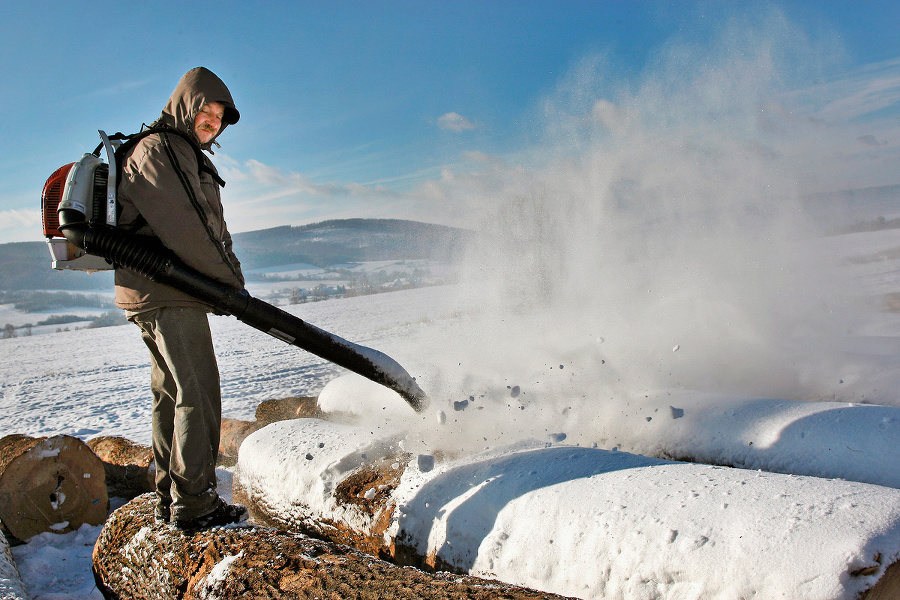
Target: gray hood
(197,87)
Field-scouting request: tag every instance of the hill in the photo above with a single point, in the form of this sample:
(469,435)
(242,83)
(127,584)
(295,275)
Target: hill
(350,240)
(26,265)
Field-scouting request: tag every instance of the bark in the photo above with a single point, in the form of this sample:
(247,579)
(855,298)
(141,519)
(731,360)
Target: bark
(49,484)
(129,467)
(11,586)
(233,433)
(137,559)
(282,409)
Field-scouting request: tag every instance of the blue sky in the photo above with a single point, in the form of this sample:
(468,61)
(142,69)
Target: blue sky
(365,108)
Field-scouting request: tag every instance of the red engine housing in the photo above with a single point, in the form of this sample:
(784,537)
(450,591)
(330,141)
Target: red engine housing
(50,199)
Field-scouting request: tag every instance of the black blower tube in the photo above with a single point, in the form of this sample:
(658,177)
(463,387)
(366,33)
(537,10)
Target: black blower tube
(147,256)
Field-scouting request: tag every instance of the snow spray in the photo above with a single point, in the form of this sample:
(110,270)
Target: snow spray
(656,240)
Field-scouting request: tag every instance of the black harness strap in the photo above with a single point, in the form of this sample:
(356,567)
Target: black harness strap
(130,141)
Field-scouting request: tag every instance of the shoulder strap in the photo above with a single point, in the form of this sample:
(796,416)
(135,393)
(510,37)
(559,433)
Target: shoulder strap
(130,141)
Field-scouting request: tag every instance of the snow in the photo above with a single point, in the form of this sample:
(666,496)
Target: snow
(588,507)
(218,573)
(565,392)
(594,508)
(57,566)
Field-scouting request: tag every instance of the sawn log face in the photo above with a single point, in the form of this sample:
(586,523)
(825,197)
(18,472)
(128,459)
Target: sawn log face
(49,484)
(136,558)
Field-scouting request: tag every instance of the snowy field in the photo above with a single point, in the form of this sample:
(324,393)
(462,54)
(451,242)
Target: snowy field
(499,377)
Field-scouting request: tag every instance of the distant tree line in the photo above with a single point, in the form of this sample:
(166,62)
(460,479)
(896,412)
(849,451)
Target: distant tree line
(108,319)
(37,301)
(864,226)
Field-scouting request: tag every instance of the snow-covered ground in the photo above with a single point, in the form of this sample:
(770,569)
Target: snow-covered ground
(500,376)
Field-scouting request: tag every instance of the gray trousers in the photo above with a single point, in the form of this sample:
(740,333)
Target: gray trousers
(187,408)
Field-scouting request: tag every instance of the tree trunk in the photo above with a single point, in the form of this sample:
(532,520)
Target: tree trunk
(50,484)
(129,467)
(282,409)
(233,432)
(11,586)
(137,559)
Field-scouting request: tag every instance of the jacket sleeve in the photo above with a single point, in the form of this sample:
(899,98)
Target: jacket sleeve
(233,259)
(162,182)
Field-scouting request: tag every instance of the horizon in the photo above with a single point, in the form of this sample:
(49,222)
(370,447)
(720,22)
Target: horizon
(357,111)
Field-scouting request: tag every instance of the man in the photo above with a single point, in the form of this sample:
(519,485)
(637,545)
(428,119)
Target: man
(170,190)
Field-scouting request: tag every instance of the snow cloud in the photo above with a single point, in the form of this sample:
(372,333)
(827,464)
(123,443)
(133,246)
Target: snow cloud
(455,122)
(669,214)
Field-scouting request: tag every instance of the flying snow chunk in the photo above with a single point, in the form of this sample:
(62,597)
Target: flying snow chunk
(425,462)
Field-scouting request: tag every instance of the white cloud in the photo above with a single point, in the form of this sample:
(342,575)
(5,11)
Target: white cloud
(259,196)
(455,122)
(21,225)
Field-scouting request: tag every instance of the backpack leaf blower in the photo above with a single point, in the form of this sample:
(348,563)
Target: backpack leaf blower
(79,208)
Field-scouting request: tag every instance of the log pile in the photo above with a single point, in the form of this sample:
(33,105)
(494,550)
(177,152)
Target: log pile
(478,517)
(136,558)
(49,484)
(129,466)
(367,492)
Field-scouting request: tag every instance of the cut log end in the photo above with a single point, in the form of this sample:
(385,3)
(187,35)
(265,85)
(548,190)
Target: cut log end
(50,484)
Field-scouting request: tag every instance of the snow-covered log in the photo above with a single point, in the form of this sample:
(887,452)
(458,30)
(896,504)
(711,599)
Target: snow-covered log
(233,431)
(859,442)
(50,484)
(129,466)
(138,559)
(11,586)
(578,521)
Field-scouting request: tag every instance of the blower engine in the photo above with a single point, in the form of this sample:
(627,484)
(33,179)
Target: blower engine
(79,207)
(88,187)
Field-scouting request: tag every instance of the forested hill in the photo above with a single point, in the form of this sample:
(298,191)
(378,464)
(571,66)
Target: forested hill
(350,240)
(26,265)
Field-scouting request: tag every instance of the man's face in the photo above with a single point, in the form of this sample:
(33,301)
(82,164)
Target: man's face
(208,121)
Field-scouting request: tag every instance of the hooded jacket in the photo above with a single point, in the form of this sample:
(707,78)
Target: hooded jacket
(166,194)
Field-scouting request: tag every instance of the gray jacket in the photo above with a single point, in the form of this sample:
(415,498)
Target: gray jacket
(164,193)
